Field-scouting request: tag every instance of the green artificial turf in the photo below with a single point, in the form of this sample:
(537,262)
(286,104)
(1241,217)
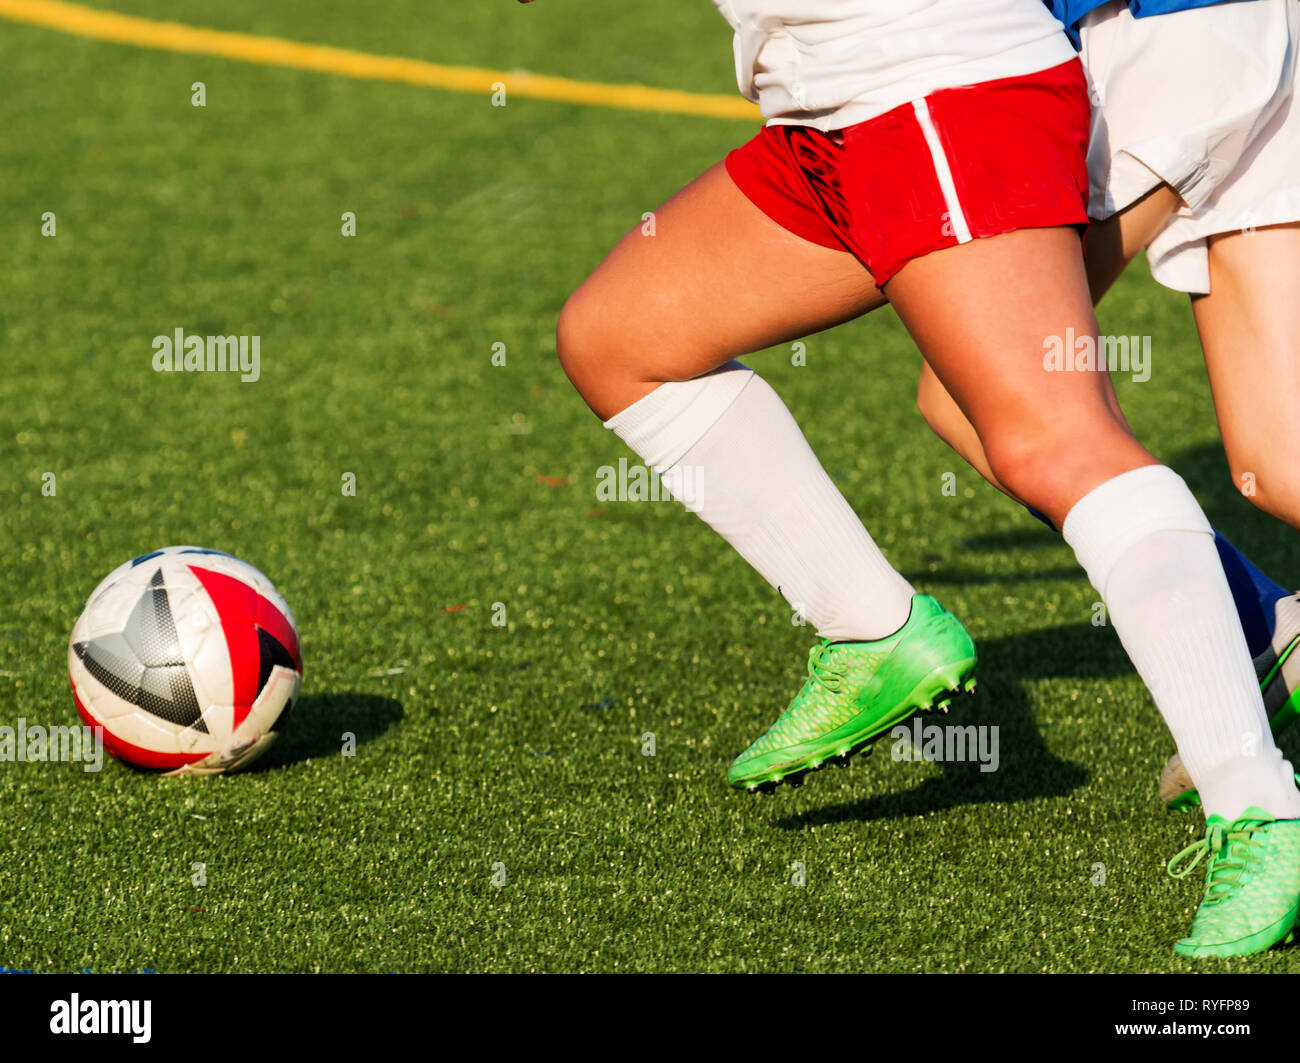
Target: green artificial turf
(516,746)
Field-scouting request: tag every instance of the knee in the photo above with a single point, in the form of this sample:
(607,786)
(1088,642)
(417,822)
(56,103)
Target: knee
(1044,465)
(576,343)
(1025,464)
(598,352)
(588,352)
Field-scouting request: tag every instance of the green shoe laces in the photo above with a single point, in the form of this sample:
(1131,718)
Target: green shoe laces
(820,668)
(1233,850)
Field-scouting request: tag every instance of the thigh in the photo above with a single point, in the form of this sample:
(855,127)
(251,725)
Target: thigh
(1109,247)
(985,315)
(717,279)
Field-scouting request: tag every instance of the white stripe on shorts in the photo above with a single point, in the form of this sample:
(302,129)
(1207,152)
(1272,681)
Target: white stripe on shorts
(943,171)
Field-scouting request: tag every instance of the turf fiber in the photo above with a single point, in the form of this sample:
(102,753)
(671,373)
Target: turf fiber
(486,748)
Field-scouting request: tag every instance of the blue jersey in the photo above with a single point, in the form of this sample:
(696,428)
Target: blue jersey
(1070,12)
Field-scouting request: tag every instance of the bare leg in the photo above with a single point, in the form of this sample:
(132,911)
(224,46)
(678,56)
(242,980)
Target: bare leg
(944,416)
(1110,245)
(719,279)
(1250,331)
(986,347)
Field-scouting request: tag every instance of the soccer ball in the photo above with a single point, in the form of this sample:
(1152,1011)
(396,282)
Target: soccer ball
(189,660)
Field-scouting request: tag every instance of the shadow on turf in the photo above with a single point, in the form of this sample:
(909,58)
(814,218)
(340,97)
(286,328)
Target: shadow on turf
(1027,769)
(319,721)
(1018,539)
(1036,538)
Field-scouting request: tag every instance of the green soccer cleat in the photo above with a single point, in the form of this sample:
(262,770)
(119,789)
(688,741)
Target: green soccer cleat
(1278,669)
(1252,885)
(856,691)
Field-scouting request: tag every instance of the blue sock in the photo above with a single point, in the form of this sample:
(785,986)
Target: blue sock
(1041,516)
(1255,594)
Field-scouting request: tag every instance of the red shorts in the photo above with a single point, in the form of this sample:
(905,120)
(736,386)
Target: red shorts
(958,165)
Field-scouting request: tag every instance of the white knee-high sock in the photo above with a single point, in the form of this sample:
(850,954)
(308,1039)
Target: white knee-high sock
(1149,552)
(726,446)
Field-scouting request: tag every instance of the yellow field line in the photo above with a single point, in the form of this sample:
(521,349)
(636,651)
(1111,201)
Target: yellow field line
(275,51)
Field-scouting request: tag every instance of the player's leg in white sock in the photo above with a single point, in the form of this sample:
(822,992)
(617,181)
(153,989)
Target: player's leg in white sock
(1150,553)
(1056,440)
(643,339)
(726,446)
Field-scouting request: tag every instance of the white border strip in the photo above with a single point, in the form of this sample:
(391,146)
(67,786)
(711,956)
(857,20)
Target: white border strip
(943,171)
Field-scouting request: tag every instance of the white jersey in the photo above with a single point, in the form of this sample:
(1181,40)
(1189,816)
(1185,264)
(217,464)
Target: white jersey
(832,63)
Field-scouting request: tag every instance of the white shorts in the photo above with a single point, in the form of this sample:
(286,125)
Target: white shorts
(1203,100)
